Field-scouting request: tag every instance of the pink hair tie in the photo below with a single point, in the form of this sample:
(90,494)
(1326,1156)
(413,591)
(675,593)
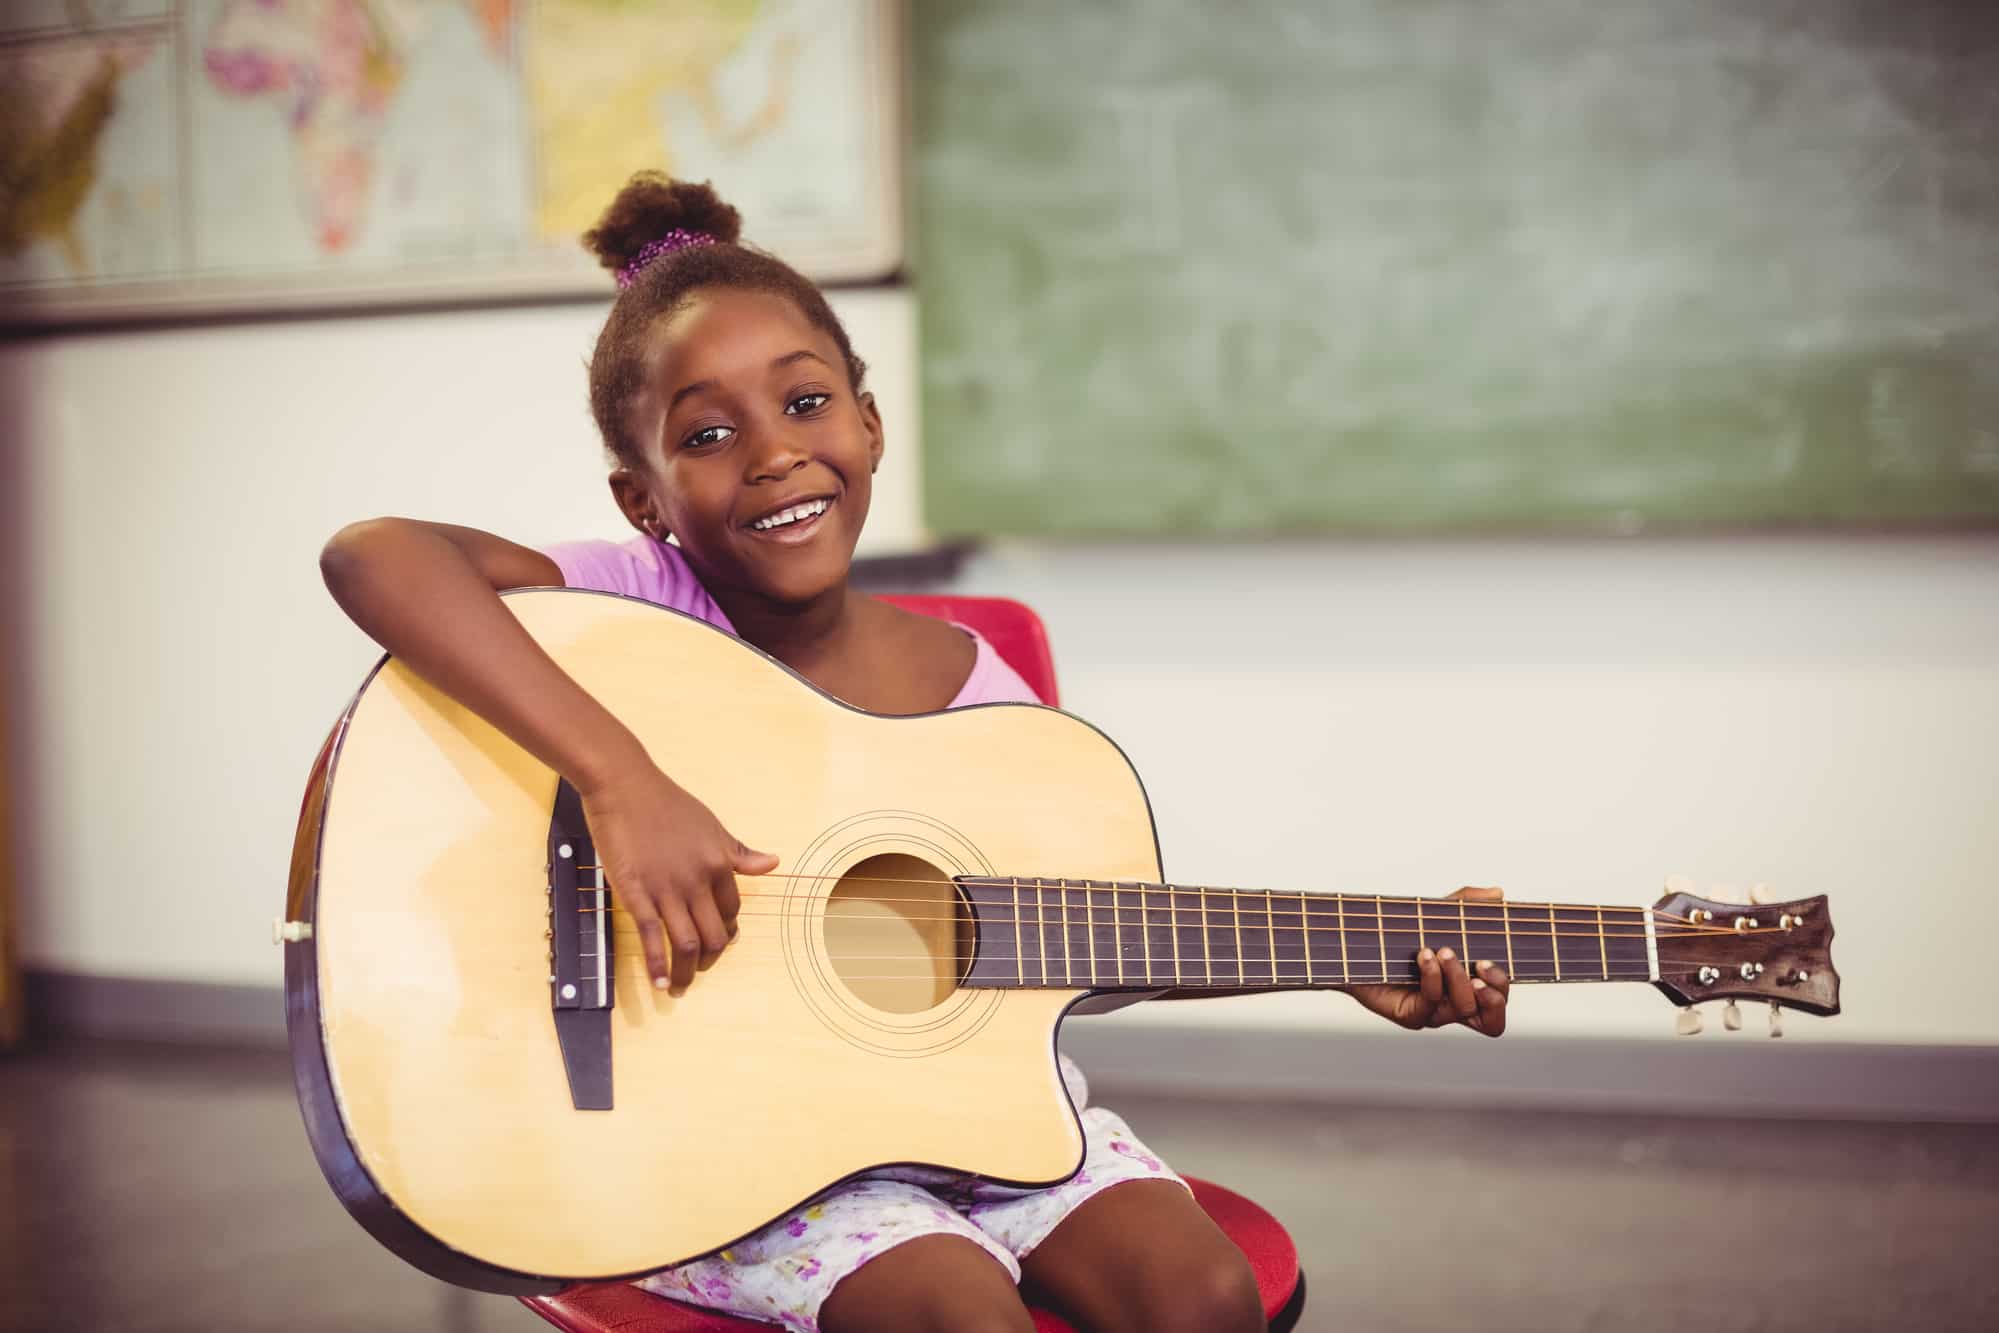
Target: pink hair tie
(677,239)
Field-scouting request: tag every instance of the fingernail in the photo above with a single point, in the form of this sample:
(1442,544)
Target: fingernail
(1476,984)
(1425,956)
(659,983)
(1485,967)
(677,991)
(1445,953)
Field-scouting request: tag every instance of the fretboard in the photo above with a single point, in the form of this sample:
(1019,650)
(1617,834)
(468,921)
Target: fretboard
(1129,936)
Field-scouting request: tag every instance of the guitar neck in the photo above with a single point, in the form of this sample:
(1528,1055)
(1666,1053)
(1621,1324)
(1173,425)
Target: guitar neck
(1042,933)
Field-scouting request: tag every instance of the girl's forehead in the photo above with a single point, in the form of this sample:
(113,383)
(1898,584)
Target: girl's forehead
(718,327)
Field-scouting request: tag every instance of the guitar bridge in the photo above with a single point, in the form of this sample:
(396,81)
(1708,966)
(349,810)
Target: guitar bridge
(581,982)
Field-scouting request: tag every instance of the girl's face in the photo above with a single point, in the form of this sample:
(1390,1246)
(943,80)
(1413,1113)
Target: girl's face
(748,416)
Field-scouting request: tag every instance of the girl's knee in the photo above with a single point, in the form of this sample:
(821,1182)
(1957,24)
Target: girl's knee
(1218,1295)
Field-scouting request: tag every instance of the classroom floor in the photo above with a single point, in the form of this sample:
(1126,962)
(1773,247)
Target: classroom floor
(167,1188)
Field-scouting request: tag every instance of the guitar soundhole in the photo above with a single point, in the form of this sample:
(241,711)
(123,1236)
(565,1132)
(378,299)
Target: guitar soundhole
(898,934)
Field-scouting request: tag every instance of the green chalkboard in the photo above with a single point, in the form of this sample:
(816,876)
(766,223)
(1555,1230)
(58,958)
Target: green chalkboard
(1445,265)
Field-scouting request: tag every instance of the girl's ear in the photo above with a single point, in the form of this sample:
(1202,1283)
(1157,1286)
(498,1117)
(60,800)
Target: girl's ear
(871,418)
(636,503)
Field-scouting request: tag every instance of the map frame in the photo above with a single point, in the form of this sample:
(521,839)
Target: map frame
(876,253)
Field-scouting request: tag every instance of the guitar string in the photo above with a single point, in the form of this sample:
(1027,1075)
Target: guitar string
(1528,930)
(1025,884)
(1286,909)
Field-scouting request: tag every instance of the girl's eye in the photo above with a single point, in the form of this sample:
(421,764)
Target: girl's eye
(706,436)
(806,403)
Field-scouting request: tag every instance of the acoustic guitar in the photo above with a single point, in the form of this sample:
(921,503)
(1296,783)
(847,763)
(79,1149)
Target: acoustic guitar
(496,1092)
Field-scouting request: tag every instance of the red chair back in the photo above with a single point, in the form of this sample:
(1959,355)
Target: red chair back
(1014,631)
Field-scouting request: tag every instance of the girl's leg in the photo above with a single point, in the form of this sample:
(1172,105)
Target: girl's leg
(932,1284)
(1143,1256)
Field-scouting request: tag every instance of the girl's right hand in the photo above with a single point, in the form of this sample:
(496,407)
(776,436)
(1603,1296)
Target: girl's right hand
(672,866)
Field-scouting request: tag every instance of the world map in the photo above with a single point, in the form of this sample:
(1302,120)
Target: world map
(227,148)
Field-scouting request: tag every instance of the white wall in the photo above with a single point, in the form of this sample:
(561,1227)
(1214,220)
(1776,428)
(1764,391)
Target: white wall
(1568,719)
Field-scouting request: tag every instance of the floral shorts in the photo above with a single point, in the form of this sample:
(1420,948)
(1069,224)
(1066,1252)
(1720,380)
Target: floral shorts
(785,1272)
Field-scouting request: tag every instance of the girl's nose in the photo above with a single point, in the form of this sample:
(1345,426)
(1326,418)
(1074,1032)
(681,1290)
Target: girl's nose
(772,457)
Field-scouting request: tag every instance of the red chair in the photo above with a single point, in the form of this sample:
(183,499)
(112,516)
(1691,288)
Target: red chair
(1016,634)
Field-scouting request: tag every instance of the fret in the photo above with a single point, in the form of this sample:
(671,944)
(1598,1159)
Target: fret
(1207,945)
(1079,946)
(1223,937)
(1158,931)
(1090,928)
(1602,945)
(1381,941)
(1050,944)
(1117,929)
(1287,940)
(1626,957)
(1173,923)
(1190,940)
(1235,905)
(1441,937)
(1485,927)
(1506,929)
(1401,939)
(1019,946)
(1465,953)
(1144,934)
(1322,933)
(1255,930)
(1554,942)
(1578,945)
(1360,939)
(1270,915)
(1340,924)
(1533,940)
(1305,938)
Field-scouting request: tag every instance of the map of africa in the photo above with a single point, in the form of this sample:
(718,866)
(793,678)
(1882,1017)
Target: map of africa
(231,153)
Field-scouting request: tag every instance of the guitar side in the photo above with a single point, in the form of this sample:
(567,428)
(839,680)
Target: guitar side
(420,1008)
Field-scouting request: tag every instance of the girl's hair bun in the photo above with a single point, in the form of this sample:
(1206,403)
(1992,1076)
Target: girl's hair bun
(651,205)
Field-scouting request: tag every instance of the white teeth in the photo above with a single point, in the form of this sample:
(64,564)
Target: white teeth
(784,517)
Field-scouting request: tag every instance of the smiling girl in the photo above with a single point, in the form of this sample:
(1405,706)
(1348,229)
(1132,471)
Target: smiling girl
(738,425)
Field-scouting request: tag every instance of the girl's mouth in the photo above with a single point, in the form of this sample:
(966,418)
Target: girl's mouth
(794,523)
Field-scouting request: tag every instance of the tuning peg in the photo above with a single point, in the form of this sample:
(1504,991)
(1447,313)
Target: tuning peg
(1683,884)
(1731,1017)
(1763,893)
(1776,1019)
(1726,893)
(1688,1023)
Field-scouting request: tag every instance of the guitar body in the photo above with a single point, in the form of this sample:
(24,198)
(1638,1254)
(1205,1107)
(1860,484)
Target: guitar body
(420,1007)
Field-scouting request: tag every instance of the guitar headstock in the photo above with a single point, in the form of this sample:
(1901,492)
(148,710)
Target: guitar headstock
(1711,948)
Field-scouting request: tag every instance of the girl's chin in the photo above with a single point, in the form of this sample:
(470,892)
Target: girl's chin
(799,577)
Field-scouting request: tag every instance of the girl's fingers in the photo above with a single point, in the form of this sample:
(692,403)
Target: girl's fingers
(652,937)
(684,938)
(1457,986)
(708,920)
(1491,1018)
(1491,986)
(1430,977)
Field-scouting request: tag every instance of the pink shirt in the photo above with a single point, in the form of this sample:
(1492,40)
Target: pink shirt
(658,572)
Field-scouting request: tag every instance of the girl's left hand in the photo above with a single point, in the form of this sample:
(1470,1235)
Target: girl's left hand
(1448,991)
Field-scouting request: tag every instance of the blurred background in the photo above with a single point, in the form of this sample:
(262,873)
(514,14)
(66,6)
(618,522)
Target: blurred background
(1547,444)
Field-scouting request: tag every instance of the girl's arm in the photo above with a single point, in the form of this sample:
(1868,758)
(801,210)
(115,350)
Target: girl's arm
(429,594)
